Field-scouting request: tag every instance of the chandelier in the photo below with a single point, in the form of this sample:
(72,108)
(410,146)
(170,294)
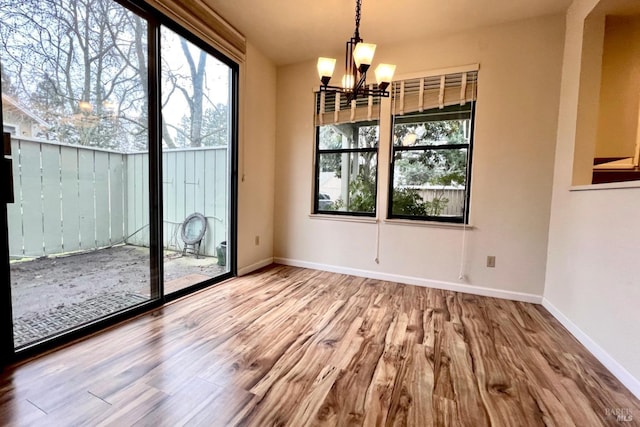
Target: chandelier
(358,58)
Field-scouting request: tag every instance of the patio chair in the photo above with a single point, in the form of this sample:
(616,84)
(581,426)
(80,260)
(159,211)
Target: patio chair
(193,229)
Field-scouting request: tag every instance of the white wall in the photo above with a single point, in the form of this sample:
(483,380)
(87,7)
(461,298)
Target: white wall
(520,65)
(256,161)
(592,280)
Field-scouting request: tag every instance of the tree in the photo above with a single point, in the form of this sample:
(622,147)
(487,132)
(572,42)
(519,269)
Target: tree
(423,166)
(195,98)
(207,121)
(7,84)
(357,170)
(83,66)
(427,166)
(85,56)
(216,126)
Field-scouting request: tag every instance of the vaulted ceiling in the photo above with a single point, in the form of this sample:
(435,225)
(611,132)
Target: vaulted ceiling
(290,31)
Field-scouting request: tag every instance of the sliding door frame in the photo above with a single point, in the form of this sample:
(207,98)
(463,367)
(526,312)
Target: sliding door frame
(232,160)
(155,20)
(6,308)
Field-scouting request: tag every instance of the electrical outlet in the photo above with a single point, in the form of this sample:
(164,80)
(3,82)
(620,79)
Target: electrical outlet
(257,240)
(491,261)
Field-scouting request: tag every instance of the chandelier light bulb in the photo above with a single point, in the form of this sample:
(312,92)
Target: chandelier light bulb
(85,106)
(363,55)
(347,82)
(384,75)
(325,69)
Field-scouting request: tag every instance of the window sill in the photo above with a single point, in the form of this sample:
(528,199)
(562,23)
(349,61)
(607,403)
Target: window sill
(431,224)
(606,186)
(345,218)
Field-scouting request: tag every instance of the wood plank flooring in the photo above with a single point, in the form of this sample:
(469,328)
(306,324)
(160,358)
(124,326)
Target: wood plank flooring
(295,347)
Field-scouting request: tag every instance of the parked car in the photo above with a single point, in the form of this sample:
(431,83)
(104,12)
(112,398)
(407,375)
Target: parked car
(324,202)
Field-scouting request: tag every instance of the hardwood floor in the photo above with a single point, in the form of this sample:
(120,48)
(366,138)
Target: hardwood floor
(289,346)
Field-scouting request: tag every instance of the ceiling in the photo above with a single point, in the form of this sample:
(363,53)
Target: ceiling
(290,31)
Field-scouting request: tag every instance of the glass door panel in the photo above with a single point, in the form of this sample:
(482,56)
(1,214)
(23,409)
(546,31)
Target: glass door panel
(75,100)
(196,150)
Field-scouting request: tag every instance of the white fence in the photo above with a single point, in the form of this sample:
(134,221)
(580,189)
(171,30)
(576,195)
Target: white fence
(72,198)
(193,180)
(455,196)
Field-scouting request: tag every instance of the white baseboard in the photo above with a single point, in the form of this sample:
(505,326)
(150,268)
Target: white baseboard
(418,281)
(255,266)
(629,381)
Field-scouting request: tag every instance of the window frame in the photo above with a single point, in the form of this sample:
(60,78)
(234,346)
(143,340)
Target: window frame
(316,180)
(425,148)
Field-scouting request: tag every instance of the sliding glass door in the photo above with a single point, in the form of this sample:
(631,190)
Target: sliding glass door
(75,101)
(197,130)
(109,175)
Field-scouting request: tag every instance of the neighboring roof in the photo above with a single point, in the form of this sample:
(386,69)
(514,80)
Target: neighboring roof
(6,99)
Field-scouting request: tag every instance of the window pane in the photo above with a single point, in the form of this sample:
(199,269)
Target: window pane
(430,183)
(349,135)
(195,95)
(347,182)
(432,129)
(75,98)
(196,142)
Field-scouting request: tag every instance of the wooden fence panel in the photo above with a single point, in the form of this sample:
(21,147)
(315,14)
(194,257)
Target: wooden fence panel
(190,183)
(221,211)
(174,176)
(31,182)
(199,194)
(211,190)
(180,190)
(117,192)
(138,199)
(455,197)
(132,183)
(101,198)
(51,208)
(143,219)
(86,211)
(169,185)
(70,199)
(167,188)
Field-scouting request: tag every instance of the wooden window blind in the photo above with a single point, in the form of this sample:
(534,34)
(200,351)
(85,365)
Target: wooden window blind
(199,18)
(435,91)
(333,108)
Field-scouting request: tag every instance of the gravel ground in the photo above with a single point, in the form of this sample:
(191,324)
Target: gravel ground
(45,284)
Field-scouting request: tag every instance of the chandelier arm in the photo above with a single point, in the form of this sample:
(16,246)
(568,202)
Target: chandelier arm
(376,92)
(359,85)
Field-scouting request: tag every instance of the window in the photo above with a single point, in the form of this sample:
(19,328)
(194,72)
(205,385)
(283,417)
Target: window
(12,129)
(432,147)
(346,158)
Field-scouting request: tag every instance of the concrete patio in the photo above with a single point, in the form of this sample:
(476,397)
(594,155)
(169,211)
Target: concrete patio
(52,294)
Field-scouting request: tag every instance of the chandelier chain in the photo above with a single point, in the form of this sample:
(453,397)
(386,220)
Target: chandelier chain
(358,15)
